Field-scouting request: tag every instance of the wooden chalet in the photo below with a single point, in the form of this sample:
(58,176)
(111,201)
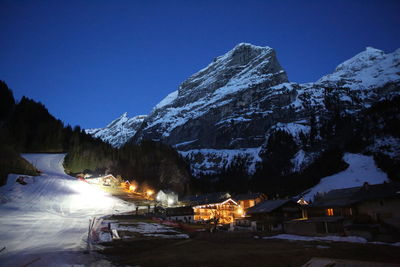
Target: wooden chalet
(249,200)
(217,207)
(344,210)
(270,214)
(378,202)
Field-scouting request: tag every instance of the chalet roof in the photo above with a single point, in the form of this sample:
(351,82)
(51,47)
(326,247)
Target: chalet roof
(350,196)
(267,206)
(247,196)
(207,198)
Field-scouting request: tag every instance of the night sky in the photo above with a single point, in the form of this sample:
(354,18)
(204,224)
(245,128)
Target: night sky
(90,61)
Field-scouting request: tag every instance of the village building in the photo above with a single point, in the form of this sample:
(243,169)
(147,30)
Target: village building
(269,215)
(216,207)
(194,200)
(249,200)
(352,211)
(105,180)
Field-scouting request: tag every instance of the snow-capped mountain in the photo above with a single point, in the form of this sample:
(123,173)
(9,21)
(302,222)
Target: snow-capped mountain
(119,131)
(367,70)
(226,94)
(230,107)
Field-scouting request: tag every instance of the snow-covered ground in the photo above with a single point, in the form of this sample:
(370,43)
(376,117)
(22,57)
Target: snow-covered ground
(350,239)
(361,169)
(45,222)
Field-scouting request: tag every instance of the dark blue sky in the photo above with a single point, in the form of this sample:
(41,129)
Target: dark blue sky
(90,61)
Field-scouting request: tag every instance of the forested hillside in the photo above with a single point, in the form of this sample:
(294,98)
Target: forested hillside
(374,131)
(27,127)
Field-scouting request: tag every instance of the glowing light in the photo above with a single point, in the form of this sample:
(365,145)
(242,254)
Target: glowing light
(170,201)
(149,192)
(240,211)
(132,188)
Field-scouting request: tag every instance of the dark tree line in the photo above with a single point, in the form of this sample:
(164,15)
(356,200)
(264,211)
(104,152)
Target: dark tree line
(27,126)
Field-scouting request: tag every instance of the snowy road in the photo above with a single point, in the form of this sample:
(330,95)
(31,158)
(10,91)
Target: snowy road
(45,222)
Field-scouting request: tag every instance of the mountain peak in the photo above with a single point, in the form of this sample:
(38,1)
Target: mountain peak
(369,68)
(119,131)
(244,64)
(248,45)
(242,54)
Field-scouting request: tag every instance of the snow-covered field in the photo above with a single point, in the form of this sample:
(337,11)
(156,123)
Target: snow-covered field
(361,169)
(45,222)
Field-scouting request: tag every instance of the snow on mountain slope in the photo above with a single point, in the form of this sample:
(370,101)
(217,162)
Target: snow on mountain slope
(236,101)
(216,86)
(167,100)
(215,160)
(361,169)
(119,131)
(48,218)
(371,68)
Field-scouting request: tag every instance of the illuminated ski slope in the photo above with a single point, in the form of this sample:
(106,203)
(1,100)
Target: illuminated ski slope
(46,221)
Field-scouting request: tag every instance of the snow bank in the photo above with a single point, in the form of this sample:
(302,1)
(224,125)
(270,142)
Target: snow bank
(361,169)
(351,239)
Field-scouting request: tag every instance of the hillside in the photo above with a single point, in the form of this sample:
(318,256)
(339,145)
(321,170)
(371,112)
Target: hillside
(362,169)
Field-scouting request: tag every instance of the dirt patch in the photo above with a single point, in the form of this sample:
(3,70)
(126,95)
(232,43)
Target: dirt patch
(238,249)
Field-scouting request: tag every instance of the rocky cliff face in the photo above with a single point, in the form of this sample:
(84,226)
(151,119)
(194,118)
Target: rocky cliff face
(230,107)
(119,131)
(223,105)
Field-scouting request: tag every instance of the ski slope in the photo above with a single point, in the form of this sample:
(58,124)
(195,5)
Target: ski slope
(45,222)
(361,169)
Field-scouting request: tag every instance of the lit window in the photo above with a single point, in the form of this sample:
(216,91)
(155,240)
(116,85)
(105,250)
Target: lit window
(329,212)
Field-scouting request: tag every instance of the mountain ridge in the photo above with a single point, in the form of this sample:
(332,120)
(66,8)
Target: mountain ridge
(234,103)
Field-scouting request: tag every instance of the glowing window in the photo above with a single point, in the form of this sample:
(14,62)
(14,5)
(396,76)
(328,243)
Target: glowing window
(329,212)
